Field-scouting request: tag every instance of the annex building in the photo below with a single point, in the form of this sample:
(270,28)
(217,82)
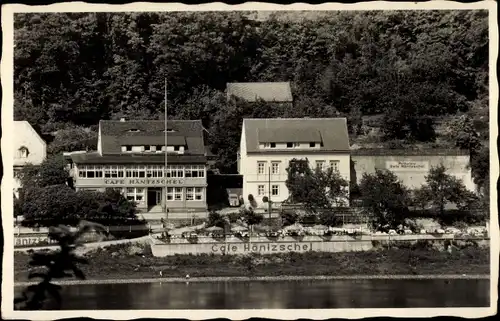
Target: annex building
(275,93)
(29,148)
(268,145)
(131,155)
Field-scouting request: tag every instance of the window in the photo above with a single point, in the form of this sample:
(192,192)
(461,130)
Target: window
(94,171)
(110,171)
(22,152)
(267,145)
(178,193)
(261,167)
(334,165)
(320,164)
(176,148)
(275,190)
(275,167)
(159,148)
(175,171)
(170,193)
(128,148)
(147,148)
(289,145)
(134,171)
(195,171)
(135,194)
(198,193)
(189,193)
(273,145)
(260,190)
(312,144)
(154,171)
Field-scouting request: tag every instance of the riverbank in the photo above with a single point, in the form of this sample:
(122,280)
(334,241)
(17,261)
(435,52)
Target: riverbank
(271,279)
(121,262)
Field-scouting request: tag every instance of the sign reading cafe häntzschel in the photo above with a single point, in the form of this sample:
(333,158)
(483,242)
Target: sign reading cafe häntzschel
(142,181)
(407,166)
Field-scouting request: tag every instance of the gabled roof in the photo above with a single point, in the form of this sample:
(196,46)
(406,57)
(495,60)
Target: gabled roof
(267,91)
(332,132)
(115,133)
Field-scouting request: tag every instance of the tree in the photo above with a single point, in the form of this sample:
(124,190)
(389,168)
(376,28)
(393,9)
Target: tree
(72,139)
(442,189)
(51,171)
(216,219)
(289,218)
(250,217)
(462,133)
(480,165)
(315,190)
(56,204)
(385,197)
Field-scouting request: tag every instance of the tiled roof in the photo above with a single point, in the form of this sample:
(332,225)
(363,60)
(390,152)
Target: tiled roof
(115,133)
(332,131)
(267,91)
(285,135)
(95,158)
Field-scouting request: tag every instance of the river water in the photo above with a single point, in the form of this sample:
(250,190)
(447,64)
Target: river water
(317,294)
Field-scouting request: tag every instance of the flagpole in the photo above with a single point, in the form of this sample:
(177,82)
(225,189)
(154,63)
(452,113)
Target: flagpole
(166,187)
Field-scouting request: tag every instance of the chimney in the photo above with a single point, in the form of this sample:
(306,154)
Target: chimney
(122,119)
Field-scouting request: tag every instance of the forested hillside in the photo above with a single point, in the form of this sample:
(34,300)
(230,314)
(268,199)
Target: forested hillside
(406,72)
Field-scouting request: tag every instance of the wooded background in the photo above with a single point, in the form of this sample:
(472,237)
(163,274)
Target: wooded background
(403,72)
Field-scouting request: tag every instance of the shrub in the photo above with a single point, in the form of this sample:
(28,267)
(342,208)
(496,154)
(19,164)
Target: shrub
(289,217)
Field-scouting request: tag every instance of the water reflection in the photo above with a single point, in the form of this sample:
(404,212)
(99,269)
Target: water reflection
(280,295)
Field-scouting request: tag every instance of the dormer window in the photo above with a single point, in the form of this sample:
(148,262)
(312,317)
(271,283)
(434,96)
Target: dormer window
(23,152)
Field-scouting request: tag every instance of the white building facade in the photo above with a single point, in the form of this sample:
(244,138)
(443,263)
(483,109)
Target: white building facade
(29,149)
(268,145)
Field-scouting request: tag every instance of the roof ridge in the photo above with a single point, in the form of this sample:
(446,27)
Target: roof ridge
(149,120)
(298,118)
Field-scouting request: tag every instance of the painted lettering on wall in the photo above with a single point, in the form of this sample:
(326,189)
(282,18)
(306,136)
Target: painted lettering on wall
(143,181)
(34,240)
(262,247)
(406,166)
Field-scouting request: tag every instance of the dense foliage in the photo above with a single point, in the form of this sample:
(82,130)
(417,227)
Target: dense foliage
(315,189)
(47,200)
(407,66)
(442,189)
(385,197)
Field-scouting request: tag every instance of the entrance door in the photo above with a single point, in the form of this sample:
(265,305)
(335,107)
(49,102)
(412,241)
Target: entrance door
(152,200)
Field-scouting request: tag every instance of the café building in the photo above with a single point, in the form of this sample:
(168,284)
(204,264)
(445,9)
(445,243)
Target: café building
(131,155)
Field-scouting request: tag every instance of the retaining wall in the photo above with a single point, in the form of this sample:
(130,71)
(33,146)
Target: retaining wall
(264,245)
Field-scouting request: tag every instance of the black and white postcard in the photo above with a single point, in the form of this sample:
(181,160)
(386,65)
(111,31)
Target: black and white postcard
(253,160)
